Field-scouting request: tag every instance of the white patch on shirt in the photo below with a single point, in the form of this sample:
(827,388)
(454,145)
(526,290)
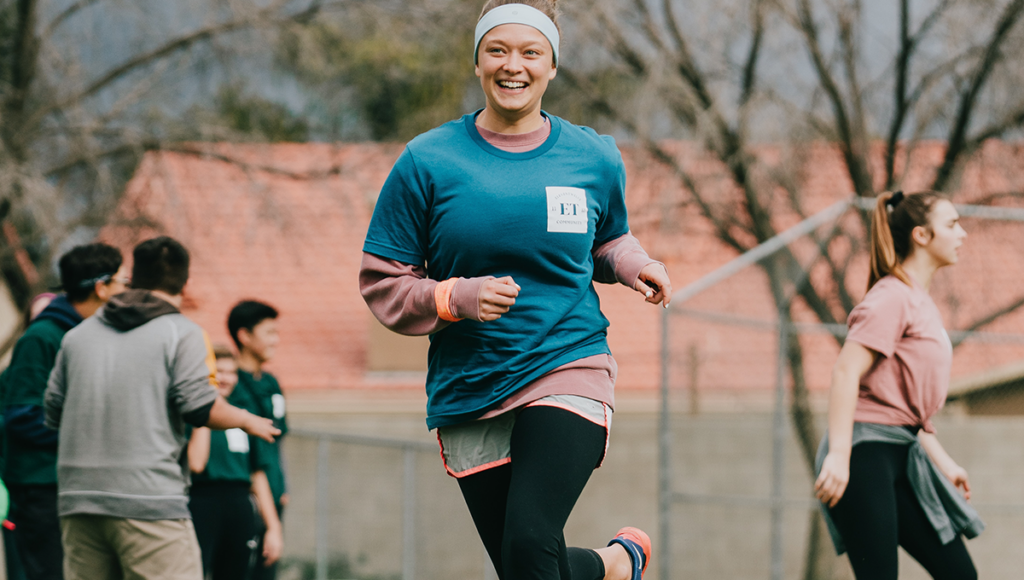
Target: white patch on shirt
(277,401)
(949,342)
(567,210)
(238,441)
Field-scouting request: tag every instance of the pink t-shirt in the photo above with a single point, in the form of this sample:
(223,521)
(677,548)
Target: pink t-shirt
(909,382)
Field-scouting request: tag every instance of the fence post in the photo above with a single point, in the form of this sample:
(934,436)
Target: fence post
(664,460)
(778,449)
(322,519)
(409,516)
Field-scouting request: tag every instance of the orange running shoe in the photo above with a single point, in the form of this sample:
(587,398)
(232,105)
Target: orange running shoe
(638,546)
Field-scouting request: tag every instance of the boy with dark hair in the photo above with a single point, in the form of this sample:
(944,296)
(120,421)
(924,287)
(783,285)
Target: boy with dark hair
(123,387)
(226,466)
(90,275)
(253,327)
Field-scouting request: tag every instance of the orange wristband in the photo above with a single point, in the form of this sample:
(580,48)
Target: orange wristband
(443,299)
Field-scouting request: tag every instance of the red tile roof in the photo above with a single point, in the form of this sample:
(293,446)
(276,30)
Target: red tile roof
(284,223)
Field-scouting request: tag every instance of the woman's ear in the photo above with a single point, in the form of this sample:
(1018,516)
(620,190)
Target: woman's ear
(921,235)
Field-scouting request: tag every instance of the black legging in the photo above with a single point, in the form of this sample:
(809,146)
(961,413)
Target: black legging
(879,511)
(520,508)
(225,522)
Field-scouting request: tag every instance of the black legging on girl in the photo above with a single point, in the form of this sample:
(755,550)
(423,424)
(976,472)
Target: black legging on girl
(520,508)
(879,512)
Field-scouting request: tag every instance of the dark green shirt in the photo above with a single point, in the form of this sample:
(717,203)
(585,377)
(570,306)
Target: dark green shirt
(3,432)
(234,455)
(268,401)
(25,383)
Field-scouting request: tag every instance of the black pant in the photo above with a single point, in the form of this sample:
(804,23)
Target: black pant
(12,559)
(261,571)
(225,522)
(37,530)
(879,511)
(520,508)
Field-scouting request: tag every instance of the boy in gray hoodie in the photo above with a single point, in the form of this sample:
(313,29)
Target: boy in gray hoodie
(124,385)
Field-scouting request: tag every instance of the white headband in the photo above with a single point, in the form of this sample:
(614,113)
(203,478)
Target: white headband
(516,14)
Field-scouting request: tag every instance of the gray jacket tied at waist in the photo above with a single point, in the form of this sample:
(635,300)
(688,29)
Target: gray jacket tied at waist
(947,510)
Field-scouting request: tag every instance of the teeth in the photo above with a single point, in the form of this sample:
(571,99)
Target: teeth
(512,84)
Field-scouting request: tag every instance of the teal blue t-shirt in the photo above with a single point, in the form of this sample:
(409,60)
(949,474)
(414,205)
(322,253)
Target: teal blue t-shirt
(465,208)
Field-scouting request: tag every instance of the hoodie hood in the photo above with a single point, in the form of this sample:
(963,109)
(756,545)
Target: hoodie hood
(60,311)
(134,308)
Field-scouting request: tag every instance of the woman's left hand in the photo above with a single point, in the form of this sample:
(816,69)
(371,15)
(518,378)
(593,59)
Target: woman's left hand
(958,475)
(654,284)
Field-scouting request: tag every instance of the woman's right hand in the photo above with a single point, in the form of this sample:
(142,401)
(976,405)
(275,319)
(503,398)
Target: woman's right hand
(835,474)
(496,297)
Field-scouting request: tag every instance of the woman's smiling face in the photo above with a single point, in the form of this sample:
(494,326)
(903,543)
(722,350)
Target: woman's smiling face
(514,63)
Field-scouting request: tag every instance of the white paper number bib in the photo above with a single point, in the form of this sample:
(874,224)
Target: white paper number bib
(238,441)
(567,210)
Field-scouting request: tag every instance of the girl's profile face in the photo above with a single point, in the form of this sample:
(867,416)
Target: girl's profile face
(947,235)
(515,63)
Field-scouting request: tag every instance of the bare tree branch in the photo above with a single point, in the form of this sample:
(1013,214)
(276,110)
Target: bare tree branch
(957,141)
(749,79)
(64,16)
(263,17)
(856,164)
(988,319)
(1012,120)
(900,100)
(902,103)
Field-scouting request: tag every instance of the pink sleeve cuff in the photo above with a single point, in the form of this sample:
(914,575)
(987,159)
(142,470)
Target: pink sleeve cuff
(620,260)
(465,301)
(627,270)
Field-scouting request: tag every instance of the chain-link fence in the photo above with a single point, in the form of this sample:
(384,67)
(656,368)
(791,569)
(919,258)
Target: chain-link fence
(736,431)
(735,497)
(368,508)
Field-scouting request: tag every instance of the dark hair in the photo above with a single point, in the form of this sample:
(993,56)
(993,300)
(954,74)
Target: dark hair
(548,7)
(895,217)
(84,266)
(160,264)
(247,314)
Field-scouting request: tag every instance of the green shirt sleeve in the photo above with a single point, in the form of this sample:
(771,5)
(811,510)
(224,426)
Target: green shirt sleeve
(31,363)
(259,455)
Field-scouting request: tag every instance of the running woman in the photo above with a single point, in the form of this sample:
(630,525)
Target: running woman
(488,236)
(884,480)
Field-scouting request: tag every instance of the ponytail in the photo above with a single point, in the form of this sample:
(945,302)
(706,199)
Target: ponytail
(892,223)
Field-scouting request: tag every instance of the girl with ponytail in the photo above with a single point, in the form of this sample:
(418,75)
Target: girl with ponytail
(488,235)
(884,479)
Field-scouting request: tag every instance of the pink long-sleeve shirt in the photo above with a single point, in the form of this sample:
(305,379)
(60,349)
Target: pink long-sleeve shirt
(402,298)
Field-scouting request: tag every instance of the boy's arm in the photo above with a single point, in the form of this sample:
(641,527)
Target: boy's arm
(56,389)
(224,415)
(273,539)
(193,391)
(199,449)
